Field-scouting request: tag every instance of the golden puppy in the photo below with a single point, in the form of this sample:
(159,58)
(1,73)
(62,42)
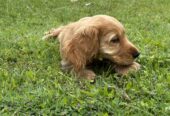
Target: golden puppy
(95,37)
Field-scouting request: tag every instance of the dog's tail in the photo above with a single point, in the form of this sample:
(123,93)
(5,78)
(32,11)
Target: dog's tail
(52,33)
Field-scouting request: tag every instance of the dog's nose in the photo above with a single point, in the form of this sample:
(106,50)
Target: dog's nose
(136,54)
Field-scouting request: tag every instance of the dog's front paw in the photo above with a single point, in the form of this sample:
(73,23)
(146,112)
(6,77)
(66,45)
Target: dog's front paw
(135,66)
(88,74)
(124,70)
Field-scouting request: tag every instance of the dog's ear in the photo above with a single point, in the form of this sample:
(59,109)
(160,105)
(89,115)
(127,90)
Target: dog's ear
(82,47)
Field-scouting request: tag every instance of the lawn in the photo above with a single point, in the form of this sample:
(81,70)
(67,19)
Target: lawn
(32,83)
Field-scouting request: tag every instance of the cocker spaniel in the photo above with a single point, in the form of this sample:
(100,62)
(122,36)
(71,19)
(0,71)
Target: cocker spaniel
(95,37)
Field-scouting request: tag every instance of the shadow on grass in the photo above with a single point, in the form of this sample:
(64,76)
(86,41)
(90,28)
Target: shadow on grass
(102,66)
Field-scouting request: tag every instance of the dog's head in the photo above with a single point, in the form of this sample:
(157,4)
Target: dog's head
(114,44)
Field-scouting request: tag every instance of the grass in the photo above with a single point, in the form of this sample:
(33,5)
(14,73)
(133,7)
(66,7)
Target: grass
(31,82)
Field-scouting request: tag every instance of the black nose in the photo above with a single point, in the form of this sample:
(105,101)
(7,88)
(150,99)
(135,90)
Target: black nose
(136,54)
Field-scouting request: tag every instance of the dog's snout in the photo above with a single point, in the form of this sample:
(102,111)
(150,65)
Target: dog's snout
(135,54)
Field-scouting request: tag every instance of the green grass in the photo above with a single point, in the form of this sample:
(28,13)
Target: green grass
(31,82)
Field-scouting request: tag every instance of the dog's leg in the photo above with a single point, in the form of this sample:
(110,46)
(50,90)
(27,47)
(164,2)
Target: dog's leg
(66,66)
(85,73)
(124,70)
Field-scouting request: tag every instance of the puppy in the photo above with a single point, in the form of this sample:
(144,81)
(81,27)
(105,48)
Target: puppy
(89,38)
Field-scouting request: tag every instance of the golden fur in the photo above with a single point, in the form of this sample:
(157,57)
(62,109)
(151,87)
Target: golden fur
(95,37)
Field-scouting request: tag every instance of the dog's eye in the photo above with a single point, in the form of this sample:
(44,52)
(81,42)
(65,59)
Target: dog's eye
(115,39)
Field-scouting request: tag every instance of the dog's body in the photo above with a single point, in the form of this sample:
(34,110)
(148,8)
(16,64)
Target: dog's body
(94,37)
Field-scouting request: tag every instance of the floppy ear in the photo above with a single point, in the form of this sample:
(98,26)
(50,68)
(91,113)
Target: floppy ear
(82,47)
